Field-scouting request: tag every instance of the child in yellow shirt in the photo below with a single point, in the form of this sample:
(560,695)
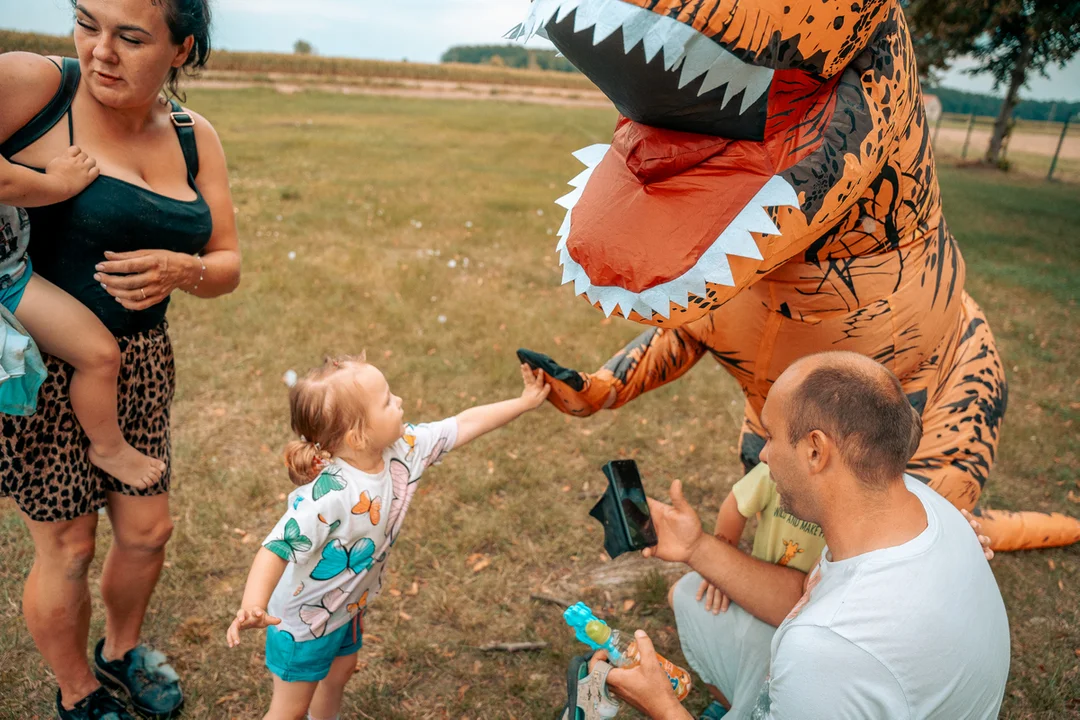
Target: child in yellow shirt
(780,538)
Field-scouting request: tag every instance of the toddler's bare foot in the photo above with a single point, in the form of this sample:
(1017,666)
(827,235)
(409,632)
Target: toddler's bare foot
(128,465)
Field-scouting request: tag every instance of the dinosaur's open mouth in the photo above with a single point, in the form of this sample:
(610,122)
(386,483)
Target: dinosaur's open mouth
(656,215)
(641,240)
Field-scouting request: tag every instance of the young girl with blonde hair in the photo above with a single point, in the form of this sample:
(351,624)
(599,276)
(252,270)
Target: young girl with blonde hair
(357,467)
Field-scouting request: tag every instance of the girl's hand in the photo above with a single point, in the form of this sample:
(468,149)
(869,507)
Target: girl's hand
(536,387)
(72,172)
(253,619)
(983,539)
(715,601)
(143,278)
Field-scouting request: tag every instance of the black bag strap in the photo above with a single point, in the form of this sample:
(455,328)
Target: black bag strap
(51,114)
(185,131)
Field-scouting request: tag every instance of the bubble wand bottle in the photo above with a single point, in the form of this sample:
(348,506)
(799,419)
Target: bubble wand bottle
(621,648)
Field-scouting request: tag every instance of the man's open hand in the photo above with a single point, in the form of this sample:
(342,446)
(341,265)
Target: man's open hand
(678,527)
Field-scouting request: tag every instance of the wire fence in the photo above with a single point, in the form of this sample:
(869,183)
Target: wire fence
(1033,147)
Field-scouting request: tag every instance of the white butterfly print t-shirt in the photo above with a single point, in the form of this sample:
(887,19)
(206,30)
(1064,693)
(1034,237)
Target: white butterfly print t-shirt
(338,530)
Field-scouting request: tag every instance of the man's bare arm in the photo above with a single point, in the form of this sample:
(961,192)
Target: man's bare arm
(765,590)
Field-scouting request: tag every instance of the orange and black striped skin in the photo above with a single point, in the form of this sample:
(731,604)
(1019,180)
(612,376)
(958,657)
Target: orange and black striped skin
(867,263)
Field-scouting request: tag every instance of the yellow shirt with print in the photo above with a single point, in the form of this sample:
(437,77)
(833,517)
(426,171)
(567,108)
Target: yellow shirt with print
(781,538)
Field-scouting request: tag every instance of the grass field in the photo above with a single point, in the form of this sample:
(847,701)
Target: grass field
(375,196)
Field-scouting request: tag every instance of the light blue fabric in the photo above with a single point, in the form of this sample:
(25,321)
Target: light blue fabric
(13,286)
(14,262)
(21,368)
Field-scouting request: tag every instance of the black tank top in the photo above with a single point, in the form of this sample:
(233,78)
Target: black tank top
(68,239)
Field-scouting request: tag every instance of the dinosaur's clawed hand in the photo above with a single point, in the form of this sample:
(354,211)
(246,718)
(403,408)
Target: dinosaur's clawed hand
(572,392)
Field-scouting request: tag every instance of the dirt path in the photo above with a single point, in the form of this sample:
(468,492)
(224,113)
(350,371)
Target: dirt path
(1034,143)
(433,89)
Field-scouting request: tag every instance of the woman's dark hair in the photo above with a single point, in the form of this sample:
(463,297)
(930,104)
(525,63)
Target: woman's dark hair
(186,18)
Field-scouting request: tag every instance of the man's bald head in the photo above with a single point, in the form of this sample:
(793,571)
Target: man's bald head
(859,404)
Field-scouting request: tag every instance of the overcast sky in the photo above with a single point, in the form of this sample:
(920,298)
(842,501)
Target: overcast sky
(419,30)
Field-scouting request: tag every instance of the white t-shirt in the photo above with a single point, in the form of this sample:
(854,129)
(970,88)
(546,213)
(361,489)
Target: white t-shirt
(14,239)
(338,530)
(913,631)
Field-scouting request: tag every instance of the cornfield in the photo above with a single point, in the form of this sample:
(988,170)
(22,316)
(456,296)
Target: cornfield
(251,63)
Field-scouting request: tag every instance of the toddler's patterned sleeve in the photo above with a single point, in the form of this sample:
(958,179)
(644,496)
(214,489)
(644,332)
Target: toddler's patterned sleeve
(308,522)
(429,443)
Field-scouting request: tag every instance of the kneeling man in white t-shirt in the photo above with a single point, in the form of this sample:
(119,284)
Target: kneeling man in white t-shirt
(901,619)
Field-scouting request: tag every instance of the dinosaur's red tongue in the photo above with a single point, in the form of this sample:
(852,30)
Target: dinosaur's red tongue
(658,200)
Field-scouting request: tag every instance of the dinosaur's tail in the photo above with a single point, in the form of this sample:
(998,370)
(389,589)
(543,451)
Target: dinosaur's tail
(1028,530)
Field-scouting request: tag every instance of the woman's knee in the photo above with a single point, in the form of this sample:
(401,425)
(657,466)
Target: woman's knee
(70,557)
(73,556)
(64,547)
(150,537)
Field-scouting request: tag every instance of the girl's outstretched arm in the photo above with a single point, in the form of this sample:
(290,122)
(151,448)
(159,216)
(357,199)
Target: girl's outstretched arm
(266,570)
(474,422)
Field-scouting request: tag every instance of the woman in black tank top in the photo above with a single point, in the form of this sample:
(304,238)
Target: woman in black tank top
(158,219)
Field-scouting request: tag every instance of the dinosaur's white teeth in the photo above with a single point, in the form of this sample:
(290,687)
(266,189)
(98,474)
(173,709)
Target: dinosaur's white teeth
(685,49)
(713,267)
(565,8)
(720,72)
(757,220)
(634,28)
(592,155)
(652,43)
(740,243)
(570,199)
(581,178)
(701,57)
(587,14)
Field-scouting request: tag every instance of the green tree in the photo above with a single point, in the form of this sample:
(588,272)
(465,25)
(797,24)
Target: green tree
(515,56)
(959,102)
(1010,39)
(303,47)
(941,31)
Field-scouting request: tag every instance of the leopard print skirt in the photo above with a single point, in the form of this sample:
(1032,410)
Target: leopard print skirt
(43,458)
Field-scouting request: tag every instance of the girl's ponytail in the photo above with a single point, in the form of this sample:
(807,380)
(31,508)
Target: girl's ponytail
(303,461)
(326,412)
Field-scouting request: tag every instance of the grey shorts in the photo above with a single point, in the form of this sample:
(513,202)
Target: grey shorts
(729,650)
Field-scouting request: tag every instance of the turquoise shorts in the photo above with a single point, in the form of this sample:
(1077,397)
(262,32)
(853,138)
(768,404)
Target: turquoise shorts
(11,292)
(310,660)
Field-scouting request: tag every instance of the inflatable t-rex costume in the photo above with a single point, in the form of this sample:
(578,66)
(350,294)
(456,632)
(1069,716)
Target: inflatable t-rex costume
(771,192)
